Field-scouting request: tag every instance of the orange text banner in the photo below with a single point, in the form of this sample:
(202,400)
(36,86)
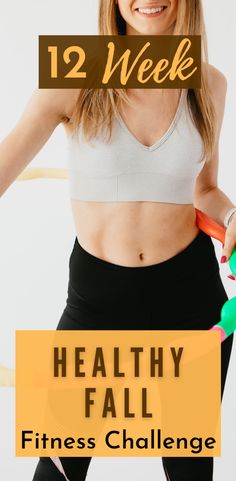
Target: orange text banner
(118,393)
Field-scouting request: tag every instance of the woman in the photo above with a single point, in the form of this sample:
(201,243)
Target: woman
(134,199)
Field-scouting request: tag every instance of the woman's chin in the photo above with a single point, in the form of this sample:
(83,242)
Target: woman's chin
(147,31)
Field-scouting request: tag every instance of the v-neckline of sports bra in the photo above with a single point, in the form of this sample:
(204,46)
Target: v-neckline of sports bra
(160,141)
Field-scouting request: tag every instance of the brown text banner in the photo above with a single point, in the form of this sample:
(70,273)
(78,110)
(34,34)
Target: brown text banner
(116,61)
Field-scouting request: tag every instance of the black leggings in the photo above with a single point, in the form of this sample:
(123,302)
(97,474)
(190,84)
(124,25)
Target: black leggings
(182,292)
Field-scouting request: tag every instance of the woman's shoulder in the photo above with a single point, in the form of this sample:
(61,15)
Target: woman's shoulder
(57,102)
(217,79)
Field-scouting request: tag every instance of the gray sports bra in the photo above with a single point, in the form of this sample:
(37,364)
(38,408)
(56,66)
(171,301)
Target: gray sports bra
(124,169)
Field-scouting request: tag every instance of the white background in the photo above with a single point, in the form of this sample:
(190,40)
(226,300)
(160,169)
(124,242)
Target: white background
(37,231)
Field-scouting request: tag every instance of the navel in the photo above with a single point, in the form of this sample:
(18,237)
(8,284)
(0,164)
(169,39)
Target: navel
(141,256)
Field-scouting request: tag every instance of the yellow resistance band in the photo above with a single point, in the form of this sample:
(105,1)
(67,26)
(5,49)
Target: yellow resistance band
(43,173)
(7,376)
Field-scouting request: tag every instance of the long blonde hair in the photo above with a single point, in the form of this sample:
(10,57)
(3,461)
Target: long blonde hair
(95,108)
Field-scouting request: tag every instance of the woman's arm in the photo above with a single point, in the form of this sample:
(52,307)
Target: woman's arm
(44,111)
(208,197)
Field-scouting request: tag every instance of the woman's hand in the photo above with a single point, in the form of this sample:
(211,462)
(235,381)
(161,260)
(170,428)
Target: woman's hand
(230,242)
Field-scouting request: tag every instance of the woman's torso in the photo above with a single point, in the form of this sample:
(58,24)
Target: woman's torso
(138,233)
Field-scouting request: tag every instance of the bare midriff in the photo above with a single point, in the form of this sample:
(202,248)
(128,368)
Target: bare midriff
(134,234)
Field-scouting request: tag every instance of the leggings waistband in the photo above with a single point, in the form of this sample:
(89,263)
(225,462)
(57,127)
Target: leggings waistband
(198,255)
